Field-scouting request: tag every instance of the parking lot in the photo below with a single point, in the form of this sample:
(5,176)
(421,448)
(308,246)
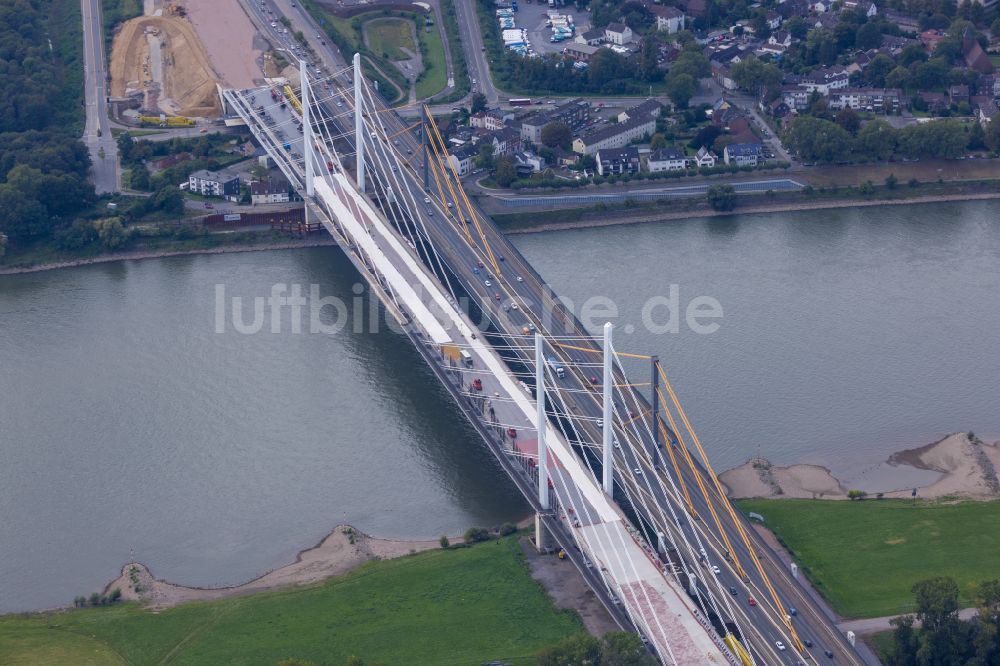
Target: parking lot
(532,15)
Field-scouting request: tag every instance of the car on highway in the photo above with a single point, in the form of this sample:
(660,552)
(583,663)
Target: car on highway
(716,570)
(475,269)
(638,471)
(779,645)
(792,612)
(751,601)
(520,279)
(600,423)
(828,653)
(733,591)
(512,433)
(497,296)
(514,306)
(428,200)
(807,642)
(488,283)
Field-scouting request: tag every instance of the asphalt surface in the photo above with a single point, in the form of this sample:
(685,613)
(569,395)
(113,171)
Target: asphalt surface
(97,133)
(762,625)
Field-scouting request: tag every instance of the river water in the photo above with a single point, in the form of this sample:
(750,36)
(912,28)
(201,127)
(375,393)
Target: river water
(131,428)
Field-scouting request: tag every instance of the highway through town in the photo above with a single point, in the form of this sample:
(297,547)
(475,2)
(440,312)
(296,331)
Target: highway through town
(763,624)
(97,133)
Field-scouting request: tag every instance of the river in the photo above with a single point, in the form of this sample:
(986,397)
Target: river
(131,428)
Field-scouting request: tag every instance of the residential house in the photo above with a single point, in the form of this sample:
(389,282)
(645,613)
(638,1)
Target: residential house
(723,75)
(975,58)
(744,154)
(865,6)
(491,120)
(592,37)
(826,21)
(959,93)
(987,110)
(936,102)
(617,160)
(773,19)
(615,135)
(825,79)
(462,159)
(705,158)
(505,141)
(780,38)
(618,33)
(222,183)
(668,19)
(268,191)
(666,159)
(528,163)
(651,108)
(796,97)
(930,39)
(821,6)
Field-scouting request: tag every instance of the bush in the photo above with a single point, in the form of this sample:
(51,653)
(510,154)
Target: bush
(507,529)
(444,541)
(476,534)
(721,197)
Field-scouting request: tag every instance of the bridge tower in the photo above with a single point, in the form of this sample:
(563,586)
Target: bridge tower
(541,537)
(307,138)
(359,123)
(609,430)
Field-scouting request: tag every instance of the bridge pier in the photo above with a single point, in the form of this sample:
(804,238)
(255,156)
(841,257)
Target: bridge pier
(609,423)
(542,536)
(359,124)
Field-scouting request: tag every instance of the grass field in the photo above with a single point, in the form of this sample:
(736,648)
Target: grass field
(435,74)
(387,36)
(460,606)
(865,556)
(882,643)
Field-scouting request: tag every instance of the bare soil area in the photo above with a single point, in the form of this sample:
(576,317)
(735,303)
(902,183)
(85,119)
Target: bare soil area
(966,467)
(234,48)
(182,83)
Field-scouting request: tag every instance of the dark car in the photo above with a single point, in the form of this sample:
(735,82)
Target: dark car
(828,653)
(733,591)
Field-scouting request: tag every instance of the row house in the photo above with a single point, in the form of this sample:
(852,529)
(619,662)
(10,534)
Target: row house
(744,154)
(651,108)
(617,135)
(826,79)
(575,113)
(879,100)
(616,161)
(666,159)
(490,120)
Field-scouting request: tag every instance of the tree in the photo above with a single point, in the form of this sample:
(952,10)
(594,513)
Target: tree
(993,133)
(476,534)
(869,36)
(816,140)
(506,174)
(848,119)
(680,88)
(443,541)
(111,232)
(485,159)
(479,102)
(706,136)
(876,140)
(168,199)
(620,648)
(572,651)
(755,76)
(657,141)
(890,184)
(139,178)
(556,133)
(721,196)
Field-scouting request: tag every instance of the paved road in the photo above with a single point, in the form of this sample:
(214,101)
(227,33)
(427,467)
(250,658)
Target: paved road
(475,57)
(97,134)
(873,625)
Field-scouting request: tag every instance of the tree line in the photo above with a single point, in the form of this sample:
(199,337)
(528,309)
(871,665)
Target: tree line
(944,639)
(43,164)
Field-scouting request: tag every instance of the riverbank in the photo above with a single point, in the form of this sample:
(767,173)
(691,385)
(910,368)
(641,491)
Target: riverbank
(342,550)
(577,220)
(960,465)
(167,252)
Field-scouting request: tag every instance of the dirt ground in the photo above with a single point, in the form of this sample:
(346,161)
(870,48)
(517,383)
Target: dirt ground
(234,48)
(924,171)
(188,86)
(567,588)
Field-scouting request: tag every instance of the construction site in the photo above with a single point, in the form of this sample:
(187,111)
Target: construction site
(169,63)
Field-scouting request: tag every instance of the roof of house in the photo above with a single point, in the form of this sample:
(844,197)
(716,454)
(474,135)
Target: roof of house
(593,33)
(665,12)
(650,107)
(621,154)
(616,27)
(614,130)
(666,155)
(269,186)
(973,53)
(704,152)
(745,149)
(220,175)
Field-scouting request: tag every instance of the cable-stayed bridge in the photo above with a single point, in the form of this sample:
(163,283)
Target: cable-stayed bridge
(614,469)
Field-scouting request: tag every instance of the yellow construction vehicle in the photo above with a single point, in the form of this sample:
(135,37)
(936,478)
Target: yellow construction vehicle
(163,120)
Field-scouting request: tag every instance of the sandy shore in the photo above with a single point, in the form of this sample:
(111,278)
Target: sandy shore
(965,468)
(610,220)
(339,552)
(157,254)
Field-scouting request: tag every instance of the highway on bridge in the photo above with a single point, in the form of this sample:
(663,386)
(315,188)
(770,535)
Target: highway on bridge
(648,485)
